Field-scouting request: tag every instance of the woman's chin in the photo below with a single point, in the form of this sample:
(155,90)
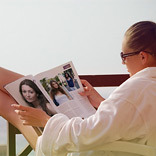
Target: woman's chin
(130,74)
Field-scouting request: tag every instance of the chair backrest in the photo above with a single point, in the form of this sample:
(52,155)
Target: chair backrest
(105,80)
(126,147)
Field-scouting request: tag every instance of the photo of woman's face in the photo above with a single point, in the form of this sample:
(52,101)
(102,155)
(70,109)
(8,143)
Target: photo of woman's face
(28,93)
(54,84)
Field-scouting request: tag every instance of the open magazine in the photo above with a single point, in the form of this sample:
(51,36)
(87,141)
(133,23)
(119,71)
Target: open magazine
(54,91)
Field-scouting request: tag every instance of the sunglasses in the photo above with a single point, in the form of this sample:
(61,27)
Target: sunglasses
(123,56)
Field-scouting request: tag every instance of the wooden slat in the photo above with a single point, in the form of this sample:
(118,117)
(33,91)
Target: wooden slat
(25,151)
(11,148)
(105,80)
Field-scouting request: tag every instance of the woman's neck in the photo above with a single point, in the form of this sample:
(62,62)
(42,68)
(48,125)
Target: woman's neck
(36,104)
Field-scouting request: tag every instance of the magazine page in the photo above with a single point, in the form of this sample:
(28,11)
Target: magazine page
(61,86)
(27,93)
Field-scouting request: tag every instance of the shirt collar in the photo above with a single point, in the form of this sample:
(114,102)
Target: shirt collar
(146,72)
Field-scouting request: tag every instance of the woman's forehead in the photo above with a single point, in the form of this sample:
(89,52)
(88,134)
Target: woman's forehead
(26,87)
(125,47)
(124,44)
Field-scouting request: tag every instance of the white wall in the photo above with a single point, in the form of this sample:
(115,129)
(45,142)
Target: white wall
(36,35)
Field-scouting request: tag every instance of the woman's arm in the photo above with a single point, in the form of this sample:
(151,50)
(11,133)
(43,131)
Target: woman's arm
(7,76)
(7,112)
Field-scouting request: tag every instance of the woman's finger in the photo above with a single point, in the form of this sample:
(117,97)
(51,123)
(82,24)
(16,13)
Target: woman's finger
(85,83)
(21,113)
(25,122)
(20,107)
(22,118)
(85,93)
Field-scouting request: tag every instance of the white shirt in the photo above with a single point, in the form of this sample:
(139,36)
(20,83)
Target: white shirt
(61,98)
(128,114)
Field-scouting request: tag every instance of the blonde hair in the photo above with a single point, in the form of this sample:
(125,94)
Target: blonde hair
(142,36)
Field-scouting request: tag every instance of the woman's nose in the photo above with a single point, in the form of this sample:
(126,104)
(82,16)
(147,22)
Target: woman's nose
(123,62)
(27,94)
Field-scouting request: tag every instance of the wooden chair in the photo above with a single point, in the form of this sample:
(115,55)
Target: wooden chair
(96,81)
(127,147)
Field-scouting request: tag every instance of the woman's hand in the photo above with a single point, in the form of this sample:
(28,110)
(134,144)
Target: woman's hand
(31,116)
(94,97)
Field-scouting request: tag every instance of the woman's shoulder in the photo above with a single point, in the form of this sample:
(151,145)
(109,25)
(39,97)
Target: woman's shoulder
(131,87)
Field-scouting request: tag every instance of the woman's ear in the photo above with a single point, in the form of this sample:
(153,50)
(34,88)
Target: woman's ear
(144,57)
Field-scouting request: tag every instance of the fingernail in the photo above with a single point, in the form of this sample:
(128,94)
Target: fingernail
(17,111)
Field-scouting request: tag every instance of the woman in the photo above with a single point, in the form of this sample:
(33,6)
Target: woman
(57,93)
(128,113)
(70,81)
(33,96)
